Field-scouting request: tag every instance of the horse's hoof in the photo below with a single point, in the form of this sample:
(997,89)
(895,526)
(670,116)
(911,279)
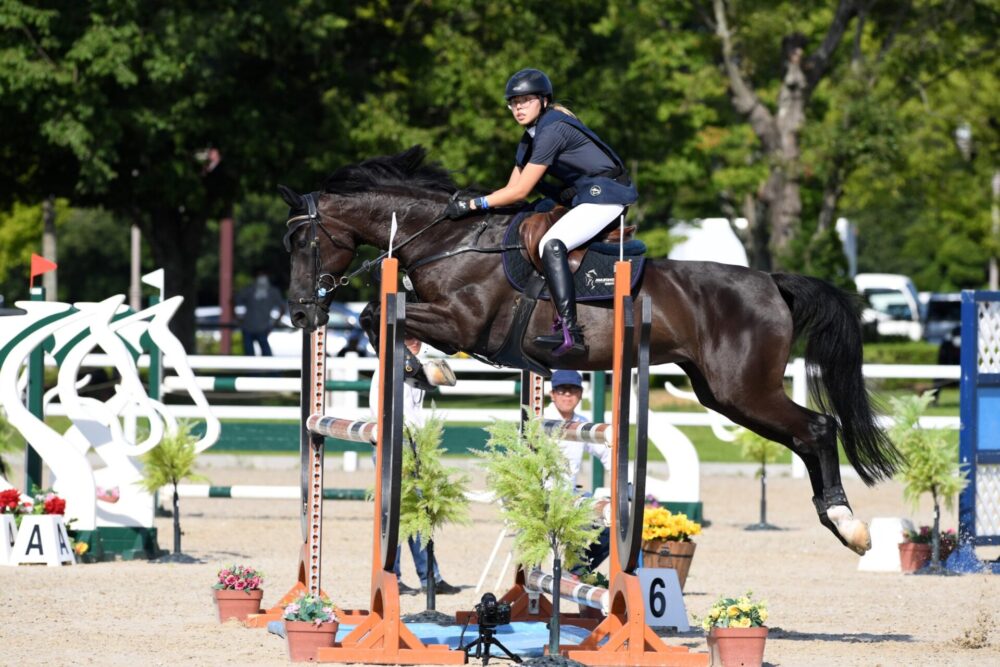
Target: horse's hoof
(439,373)
(854,531)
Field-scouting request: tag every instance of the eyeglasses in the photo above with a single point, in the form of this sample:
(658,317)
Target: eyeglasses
(521,101)
(567,390)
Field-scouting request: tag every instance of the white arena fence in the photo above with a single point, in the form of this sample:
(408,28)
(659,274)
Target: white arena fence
(222,371)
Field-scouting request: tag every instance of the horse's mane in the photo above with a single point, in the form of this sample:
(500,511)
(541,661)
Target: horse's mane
(405,169)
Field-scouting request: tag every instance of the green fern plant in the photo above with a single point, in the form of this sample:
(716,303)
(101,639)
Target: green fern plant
(931,465)
(432,495)
(530,476)
(170,462)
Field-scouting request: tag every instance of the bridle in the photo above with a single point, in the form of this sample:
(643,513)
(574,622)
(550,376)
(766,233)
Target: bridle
(325,284)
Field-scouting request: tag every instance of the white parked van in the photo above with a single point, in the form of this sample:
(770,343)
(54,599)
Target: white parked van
(893,304)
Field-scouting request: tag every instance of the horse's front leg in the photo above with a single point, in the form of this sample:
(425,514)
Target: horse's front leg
(435,324)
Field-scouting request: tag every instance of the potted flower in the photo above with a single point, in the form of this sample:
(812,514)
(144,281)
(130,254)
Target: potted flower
(915,549)
(666,540)
(736,631)
(311,623)
(238,592)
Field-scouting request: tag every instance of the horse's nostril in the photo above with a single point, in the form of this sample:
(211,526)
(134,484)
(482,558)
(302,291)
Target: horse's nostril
(299,319)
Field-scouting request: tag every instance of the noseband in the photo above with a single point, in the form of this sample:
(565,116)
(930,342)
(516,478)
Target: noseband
(324,284)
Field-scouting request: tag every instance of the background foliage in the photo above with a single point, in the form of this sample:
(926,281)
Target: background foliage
(109,106)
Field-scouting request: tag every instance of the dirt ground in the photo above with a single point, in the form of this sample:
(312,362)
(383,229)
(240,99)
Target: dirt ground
(822,610)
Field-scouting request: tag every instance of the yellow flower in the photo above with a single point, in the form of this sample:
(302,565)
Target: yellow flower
(80,548)
(740,623)
(744,607)
(763,614)
(734,611)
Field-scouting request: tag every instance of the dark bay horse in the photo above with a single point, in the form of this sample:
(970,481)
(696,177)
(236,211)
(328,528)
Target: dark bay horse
(729,328)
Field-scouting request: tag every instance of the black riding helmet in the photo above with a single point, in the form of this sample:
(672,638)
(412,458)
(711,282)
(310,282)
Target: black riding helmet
(529,82)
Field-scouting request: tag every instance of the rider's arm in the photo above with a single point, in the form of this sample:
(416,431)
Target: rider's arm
(520,185)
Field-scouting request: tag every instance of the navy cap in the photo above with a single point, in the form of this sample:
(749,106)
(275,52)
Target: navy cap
(559,378)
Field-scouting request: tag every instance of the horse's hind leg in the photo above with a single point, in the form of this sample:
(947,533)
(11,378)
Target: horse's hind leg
(812,436)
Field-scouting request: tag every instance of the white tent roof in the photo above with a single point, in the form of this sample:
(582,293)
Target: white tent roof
(710,239)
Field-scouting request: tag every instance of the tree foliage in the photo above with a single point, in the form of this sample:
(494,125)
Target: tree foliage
(431,494)
(931,464)
(530,477)
(112,104)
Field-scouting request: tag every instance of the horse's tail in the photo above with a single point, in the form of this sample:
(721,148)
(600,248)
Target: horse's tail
(829,317)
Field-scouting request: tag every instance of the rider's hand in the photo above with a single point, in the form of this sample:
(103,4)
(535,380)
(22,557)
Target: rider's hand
(457,208)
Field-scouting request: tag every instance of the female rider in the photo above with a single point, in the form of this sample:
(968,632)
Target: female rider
(594,183)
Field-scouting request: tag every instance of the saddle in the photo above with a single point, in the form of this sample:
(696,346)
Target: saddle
(534,227)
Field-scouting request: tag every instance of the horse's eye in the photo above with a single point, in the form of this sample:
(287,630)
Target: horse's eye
(302,242)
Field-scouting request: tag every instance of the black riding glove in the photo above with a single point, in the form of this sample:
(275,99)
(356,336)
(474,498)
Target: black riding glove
(457,208)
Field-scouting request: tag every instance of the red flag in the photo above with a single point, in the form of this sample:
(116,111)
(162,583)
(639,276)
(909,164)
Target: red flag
(40,265)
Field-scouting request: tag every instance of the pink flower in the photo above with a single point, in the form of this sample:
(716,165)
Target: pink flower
(240,585)
(231,580)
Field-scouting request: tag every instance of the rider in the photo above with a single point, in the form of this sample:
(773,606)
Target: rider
(594,184)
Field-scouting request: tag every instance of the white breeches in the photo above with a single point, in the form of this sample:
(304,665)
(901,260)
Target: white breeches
(581,224)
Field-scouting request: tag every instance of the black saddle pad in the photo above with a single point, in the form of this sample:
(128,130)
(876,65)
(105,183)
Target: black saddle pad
(594,280)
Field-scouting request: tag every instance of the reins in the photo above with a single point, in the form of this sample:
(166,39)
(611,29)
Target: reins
(325,284)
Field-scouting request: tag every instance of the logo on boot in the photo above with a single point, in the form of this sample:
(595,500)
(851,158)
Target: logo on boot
(595,190)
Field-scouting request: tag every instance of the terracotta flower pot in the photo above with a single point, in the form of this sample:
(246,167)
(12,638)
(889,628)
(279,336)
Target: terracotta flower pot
(304,638)
(913,556)
(669,553)
(737,647)
(237,604)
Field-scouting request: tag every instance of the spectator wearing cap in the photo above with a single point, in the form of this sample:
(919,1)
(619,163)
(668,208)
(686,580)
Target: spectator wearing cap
(566,394)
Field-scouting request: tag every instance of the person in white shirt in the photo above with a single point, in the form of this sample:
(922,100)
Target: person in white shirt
(566,394)
(413,417)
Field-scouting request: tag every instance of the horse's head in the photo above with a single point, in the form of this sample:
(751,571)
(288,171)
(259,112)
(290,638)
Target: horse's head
(320,254)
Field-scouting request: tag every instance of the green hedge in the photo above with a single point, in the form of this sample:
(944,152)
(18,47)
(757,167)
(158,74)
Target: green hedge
(909,352)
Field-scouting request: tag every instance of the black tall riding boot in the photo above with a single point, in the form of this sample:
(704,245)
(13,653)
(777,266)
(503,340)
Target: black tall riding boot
(569,336)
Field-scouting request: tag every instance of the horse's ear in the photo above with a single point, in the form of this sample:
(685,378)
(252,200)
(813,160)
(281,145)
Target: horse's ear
(292,198)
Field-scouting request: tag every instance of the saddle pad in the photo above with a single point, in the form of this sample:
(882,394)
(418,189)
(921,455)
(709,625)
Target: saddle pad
(594,280)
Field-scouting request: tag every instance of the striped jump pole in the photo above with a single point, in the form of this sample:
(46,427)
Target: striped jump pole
(343,429)
(569,589)
(591,432)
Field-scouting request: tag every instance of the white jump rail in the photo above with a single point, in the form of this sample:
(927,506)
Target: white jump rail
(353,404)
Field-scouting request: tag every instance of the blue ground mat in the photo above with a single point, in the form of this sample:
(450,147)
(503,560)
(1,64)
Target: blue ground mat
(524,639)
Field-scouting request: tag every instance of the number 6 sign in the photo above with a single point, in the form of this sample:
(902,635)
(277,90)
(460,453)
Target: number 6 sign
(661,594)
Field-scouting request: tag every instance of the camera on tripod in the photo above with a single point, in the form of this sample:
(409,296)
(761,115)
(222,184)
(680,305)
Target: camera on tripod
(492,613)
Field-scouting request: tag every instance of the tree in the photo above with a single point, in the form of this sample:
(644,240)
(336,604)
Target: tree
(778,130)
(529,475)
(431,494)
(170,462)
(127,97)
(931,464)
(763,451)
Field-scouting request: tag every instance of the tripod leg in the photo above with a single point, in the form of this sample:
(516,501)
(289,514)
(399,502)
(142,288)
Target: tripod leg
(505,650)
(477,643)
